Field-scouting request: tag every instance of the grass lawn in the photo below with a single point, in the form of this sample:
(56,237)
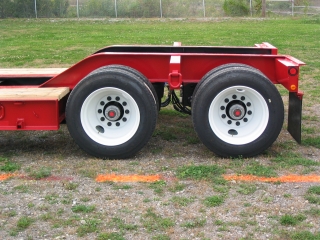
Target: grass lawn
(63,42)
(193,200)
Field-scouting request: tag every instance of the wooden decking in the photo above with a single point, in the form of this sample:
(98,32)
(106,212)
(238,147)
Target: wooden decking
(30,72)
(19,94)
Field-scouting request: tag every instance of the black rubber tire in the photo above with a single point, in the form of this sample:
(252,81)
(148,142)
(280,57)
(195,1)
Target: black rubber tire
(227,78)
(128,82)
(138,75)
(220,68)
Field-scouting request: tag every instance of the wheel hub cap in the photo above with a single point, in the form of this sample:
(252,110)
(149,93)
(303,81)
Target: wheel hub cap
(112,113)
(236,112)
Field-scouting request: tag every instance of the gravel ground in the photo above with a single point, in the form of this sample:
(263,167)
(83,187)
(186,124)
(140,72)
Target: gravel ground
(173,208)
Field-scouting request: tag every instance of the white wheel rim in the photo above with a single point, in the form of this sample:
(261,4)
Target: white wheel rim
(101,127)
(245,127)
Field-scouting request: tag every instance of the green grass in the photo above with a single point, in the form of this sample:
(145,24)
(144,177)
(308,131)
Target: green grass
(199,172)
(196,223)
(178,187)
(260,170)
(8,166)
(46,217)
(109,236)
(121,225)
(90,226)
(214,201)
(152,221)
(83,209)
(41,173)
(71,186)
(24,222)
(61,43)
(21,189)
(313,195)
(59,37)
(161,237)
(290,159)
(165,134)
(52,198)
(119,186)
(246,188)
(158,187)
(292,220)
(313,212)
(182,201)
(305,235)
(311,141)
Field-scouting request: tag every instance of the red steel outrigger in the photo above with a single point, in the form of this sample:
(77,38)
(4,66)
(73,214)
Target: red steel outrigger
(111,98)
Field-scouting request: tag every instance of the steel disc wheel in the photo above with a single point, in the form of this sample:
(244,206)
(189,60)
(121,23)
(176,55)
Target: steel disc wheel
(238,115)
(111,113)
(237,111)
(110,116)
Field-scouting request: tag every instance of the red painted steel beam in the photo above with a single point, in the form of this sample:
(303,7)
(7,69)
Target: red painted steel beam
(156,66)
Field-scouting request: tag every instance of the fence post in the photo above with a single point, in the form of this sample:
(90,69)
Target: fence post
(160,8)
(77,8)
(115,8)
(35,8)
(264,8)
(292,7)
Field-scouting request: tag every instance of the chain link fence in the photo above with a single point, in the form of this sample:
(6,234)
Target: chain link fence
(152,8)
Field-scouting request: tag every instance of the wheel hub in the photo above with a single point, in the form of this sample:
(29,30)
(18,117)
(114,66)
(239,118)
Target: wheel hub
(112,113)
(237,111)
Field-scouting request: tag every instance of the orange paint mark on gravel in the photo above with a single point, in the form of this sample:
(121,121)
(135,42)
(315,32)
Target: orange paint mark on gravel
(127,178)
(6,176)
(287,178)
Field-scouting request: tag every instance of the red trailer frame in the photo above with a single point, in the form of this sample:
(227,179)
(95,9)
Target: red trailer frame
(36,99)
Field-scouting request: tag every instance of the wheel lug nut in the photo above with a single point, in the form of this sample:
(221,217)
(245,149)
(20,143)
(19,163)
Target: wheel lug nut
(222,108)
(124,103)
(248,104)
(226,100)
(109,124)
(124,119)
(117,98)
(117,124)
(243,98)
(102,119)
(245,119)
(238,123)
(99,111)
(229,122)
(234,96)
(127,111)
(109,98)
(249,112)
(102,103)
(223,116)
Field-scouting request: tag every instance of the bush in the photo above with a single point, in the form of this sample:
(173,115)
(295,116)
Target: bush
(26,8)
(98,8)
(236,8)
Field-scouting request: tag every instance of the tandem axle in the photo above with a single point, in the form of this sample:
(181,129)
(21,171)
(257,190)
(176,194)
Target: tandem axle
(110,100)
